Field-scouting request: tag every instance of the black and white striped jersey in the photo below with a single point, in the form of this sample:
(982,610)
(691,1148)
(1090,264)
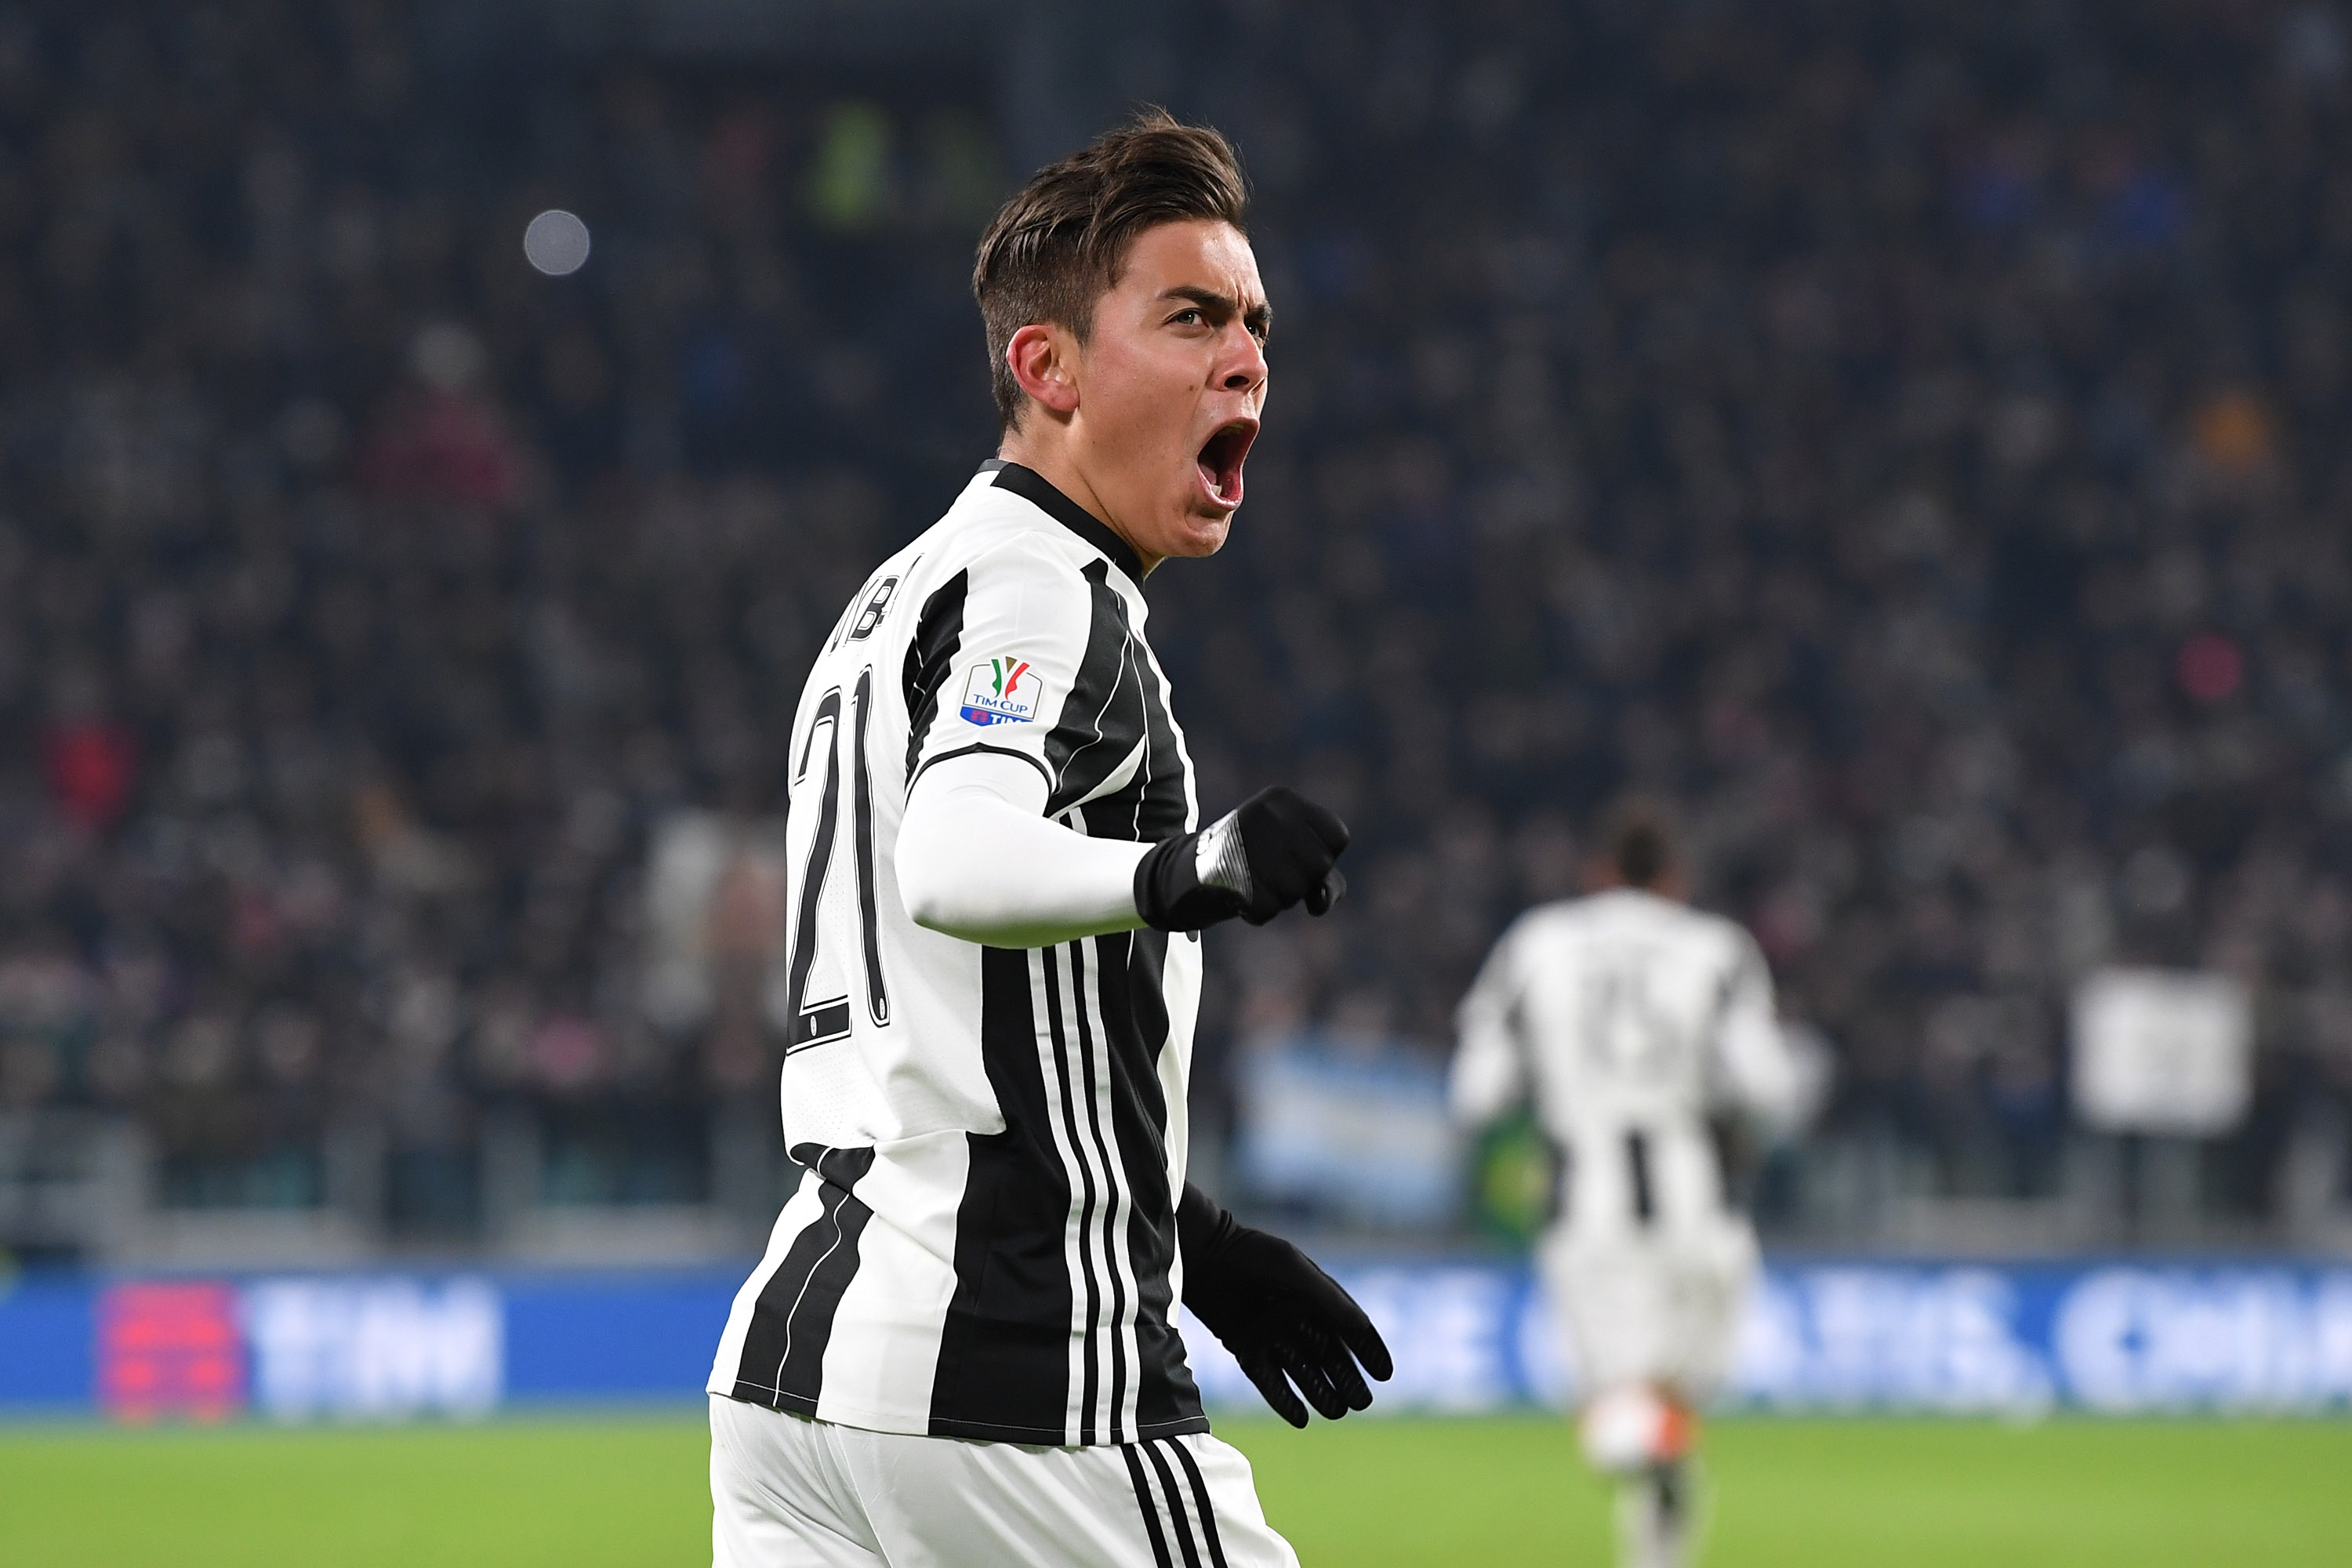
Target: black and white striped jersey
(1626,1020)
(984,1242)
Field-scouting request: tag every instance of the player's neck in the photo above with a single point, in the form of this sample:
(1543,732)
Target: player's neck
(1050,460)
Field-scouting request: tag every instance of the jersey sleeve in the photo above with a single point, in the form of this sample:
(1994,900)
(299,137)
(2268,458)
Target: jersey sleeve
(1490,1061)
(1043,884)
(1754,1073)
(995,677)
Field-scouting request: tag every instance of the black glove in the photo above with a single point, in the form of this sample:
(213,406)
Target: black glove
(1275,850)
(1278,1313)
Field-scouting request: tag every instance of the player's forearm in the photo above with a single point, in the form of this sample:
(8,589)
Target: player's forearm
(978,861)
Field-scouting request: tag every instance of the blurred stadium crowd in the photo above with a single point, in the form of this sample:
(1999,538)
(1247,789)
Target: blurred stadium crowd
(1905,436)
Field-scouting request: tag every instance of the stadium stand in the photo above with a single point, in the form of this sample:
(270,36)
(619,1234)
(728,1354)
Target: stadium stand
(1912,448)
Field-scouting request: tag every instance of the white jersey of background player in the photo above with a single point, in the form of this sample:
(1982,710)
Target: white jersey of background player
(1628,1021)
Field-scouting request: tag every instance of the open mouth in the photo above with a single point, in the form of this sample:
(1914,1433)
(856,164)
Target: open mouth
(1219,461)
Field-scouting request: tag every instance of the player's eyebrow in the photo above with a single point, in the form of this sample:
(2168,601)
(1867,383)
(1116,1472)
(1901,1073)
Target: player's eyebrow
(1222,307)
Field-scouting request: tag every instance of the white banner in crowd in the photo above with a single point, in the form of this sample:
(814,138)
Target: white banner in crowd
(2162,1051)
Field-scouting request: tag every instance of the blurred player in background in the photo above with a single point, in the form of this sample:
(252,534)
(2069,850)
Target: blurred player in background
(1633,1025)
(961,1346)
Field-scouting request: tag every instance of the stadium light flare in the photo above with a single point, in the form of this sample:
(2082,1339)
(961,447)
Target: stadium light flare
(556,242)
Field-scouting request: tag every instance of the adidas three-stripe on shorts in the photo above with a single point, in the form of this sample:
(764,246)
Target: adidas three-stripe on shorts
(791,1491)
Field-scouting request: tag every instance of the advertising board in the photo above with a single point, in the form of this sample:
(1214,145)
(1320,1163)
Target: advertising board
(2125,1337)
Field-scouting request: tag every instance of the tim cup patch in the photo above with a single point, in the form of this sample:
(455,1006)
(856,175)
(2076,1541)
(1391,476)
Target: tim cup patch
(1002,691)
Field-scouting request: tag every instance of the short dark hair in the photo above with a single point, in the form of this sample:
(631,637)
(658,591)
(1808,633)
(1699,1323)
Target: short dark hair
(1059,243)
(1639,842)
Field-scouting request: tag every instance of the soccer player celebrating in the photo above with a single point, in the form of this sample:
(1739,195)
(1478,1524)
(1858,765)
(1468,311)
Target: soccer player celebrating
(961,1346)
(1629,1020)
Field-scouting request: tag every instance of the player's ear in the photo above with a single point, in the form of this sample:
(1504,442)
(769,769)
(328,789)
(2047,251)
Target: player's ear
(1040,359)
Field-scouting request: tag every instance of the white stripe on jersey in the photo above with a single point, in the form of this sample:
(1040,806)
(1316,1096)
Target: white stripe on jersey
(1118,1392)
(1086,1302)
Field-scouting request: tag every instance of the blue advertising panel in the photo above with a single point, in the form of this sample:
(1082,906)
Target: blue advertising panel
(619,1336)
(47,1344)
(2121,1338)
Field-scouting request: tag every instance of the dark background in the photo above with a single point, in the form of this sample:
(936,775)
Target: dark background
(1907,438)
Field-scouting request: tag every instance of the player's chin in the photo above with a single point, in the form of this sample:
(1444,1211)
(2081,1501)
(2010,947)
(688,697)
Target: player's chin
(1201,532)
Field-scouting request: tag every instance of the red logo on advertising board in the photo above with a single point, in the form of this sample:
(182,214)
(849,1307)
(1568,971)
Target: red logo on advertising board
(170,1349)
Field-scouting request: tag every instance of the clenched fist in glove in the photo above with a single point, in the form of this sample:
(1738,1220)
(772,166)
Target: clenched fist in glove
(1275,850)
(1278,1313)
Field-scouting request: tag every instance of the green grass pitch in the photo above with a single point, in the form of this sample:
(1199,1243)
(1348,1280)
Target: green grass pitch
(584,1493)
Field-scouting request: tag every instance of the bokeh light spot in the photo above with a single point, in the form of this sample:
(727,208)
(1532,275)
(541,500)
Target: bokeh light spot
(556,243)
(2210,666)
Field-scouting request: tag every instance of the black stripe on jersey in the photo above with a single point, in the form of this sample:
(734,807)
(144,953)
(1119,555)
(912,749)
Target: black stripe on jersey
(1103,717)
(1165,809)
(1176,1517)
(1637,1169)
(1148,1506)
(1146,969)
(930,660)
(782,1365)
(1034,488)
(1128,1000)
(1153,804)
(1004,1371)
(931,763)
(1113,707)
(1088,1240)
(1201,1497)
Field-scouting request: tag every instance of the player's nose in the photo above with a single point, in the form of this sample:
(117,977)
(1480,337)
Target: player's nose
(1242,366)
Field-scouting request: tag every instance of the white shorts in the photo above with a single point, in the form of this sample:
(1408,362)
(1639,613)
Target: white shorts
(791,1492)
(1658,1309)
